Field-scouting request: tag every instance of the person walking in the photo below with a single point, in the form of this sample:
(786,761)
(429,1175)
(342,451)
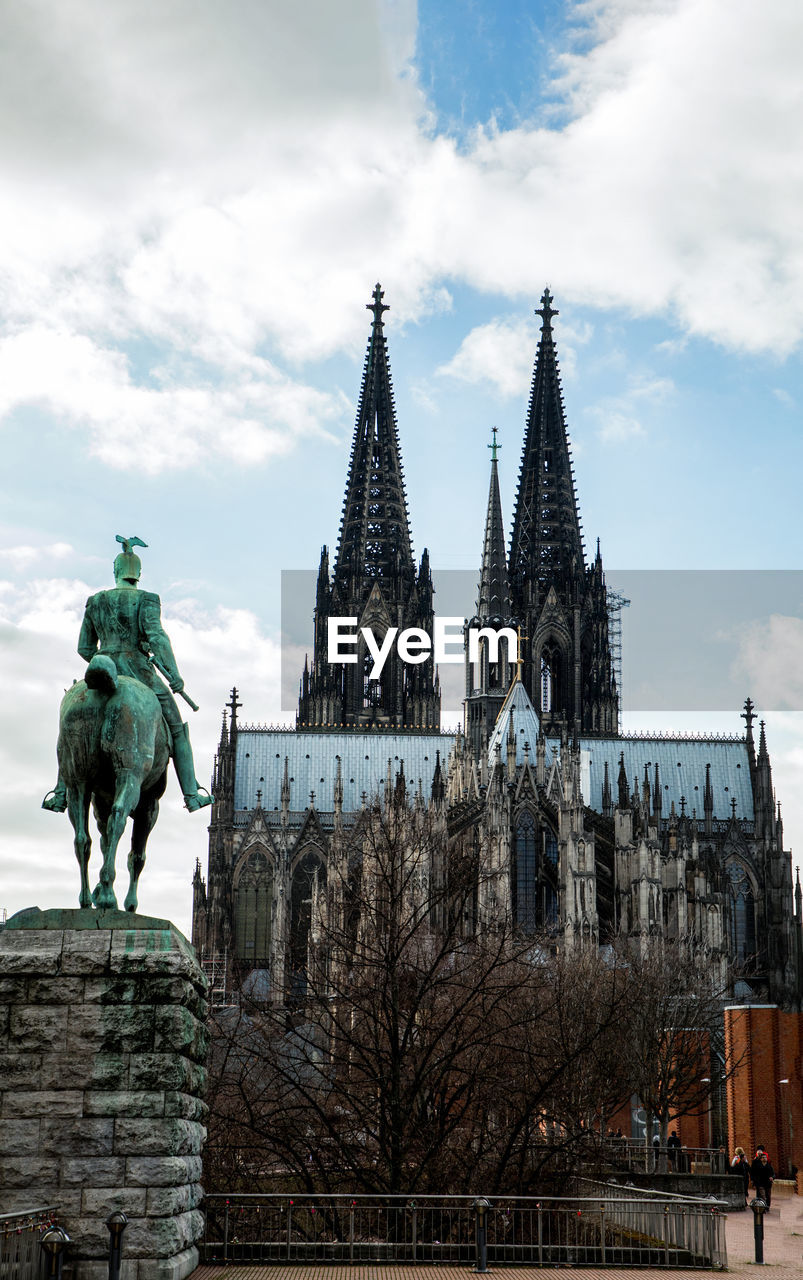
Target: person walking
(741,1165)
(762,1176)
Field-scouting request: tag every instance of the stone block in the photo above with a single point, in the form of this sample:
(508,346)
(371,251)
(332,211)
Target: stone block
(5,1016)
(178,1267)
(58,1136)
(27,961)
(161,1171)
(177,1030)
(86,951)
(100,1070)
(158,1137)
(95,1028)
(36,944)
(90,1236)
(161,1071)
(88,1270)
(12,990)
(133,1103)
(146,1237)
(163,1201)
(185,1106)
(20,1137)
(20,1069)
(99,1202)
(43,1102)
(32,1028)
(108,1171)
(27,1171)
(58,990)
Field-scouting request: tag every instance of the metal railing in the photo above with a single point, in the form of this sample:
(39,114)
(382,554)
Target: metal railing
(20,1234)
(632,1155)
(613,1229)
(683,1222)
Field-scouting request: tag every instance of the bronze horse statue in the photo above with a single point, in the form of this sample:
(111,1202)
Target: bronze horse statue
(113,751)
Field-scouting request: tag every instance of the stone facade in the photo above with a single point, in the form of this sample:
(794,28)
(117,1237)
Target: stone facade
(103,1042)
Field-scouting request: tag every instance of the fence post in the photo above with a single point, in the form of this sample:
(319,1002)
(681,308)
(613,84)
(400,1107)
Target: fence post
(482,1206)
(414,1207)
(602,1234)
(226,1233)
(117,1223)
(53,1243)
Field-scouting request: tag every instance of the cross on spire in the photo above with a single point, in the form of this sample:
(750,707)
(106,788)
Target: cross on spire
(519,658)
(234,704)
(377,306)
(546,311)
(494,446)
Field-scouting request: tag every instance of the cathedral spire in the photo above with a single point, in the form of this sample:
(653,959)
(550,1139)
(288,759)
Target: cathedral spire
(375,538)
(493,599)
(547,544)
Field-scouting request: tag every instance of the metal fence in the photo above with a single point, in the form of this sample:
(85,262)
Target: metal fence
(20,1234)
(616,1230)
(634,1157)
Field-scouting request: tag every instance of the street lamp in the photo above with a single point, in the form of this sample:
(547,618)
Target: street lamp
(789,1122)
(707,1080)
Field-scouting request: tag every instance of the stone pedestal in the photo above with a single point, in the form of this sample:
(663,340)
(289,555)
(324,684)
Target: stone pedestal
(102,1049)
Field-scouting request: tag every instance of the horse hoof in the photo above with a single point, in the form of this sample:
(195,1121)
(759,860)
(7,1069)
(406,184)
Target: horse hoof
(104,898)
(130,904)
(55,801)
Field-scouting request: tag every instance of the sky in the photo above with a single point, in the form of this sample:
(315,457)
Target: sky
(196,202)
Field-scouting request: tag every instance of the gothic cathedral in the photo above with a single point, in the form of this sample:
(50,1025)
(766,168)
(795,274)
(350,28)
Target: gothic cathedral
(593,833)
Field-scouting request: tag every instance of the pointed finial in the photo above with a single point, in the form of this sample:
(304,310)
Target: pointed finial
(234,705)
(377,306)
(259,798)
(494,446)
(546,311)
(733,808)
(519,654)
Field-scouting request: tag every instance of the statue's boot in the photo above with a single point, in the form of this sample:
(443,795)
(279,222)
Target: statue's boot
(56,800)
(185,770)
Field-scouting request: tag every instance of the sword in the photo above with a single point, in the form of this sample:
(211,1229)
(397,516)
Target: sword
(180,692)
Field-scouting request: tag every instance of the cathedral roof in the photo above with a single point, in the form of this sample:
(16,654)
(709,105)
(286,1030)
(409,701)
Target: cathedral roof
(681,769)
(525,724)
(312,765)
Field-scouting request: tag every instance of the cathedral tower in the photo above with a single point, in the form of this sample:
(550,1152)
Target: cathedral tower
(561,603)
(374,578)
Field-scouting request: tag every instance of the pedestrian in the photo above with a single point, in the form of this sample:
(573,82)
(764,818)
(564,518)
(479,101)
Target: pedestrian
(673,1146)
(762,1175)
(741,1165)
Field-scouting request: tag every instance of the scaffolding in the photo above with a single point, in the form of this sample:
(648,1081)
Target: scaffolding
(616,603)
(216,970)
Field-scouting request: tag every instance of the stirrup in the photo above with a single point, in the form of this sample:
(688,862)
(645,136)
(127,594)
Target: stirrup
(58,803)
(195,802)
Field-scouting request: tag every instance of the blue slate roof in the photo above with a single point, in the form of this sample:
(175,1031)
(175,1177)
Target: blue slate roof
(681,767)
(312,765)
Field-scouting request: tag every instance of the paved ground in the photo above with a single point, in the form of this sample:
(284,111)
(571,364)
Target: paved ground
(783,1253)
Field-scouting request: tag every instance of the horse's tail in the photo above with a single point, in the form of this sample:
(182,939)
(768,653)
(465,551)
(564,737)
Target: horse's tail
(101,674)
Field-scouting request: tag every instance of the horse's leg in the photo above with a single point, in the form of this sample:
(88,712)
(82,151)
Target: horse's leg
(145,815)
(126,798)
(78,808)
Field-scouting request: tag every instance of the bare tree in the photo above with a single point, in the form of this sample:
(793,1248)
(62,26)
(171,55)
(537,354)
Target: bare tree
(431,1050)
(673,1030)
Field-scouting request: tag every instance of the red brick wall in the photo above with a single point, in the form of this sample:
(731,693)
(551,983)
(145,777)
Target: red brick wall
(766,1045)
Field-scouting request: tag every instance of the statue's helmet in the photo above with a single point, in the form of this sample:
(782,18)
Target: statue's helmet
(127,565)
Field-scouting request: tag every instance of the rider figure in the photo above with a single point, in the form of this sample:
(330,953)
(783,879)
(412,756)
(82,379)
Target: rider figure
(126,625)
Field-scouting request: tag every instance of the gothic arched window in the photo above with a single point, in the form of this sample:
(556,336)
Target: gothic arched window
(742,915)
(550,677)
(526,872)
(253,904)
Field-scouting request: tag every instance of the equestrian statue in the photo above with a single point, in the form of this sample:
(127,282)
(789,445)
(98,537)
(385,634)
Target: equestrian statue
(119,726)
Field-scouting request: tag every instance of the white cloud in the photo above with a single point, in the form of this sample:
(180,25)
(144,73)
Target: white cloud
(38,632)
(770,657)
(226,186)
(247,418)
(783,396)
(501,353)
(621,416)
(23,557)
